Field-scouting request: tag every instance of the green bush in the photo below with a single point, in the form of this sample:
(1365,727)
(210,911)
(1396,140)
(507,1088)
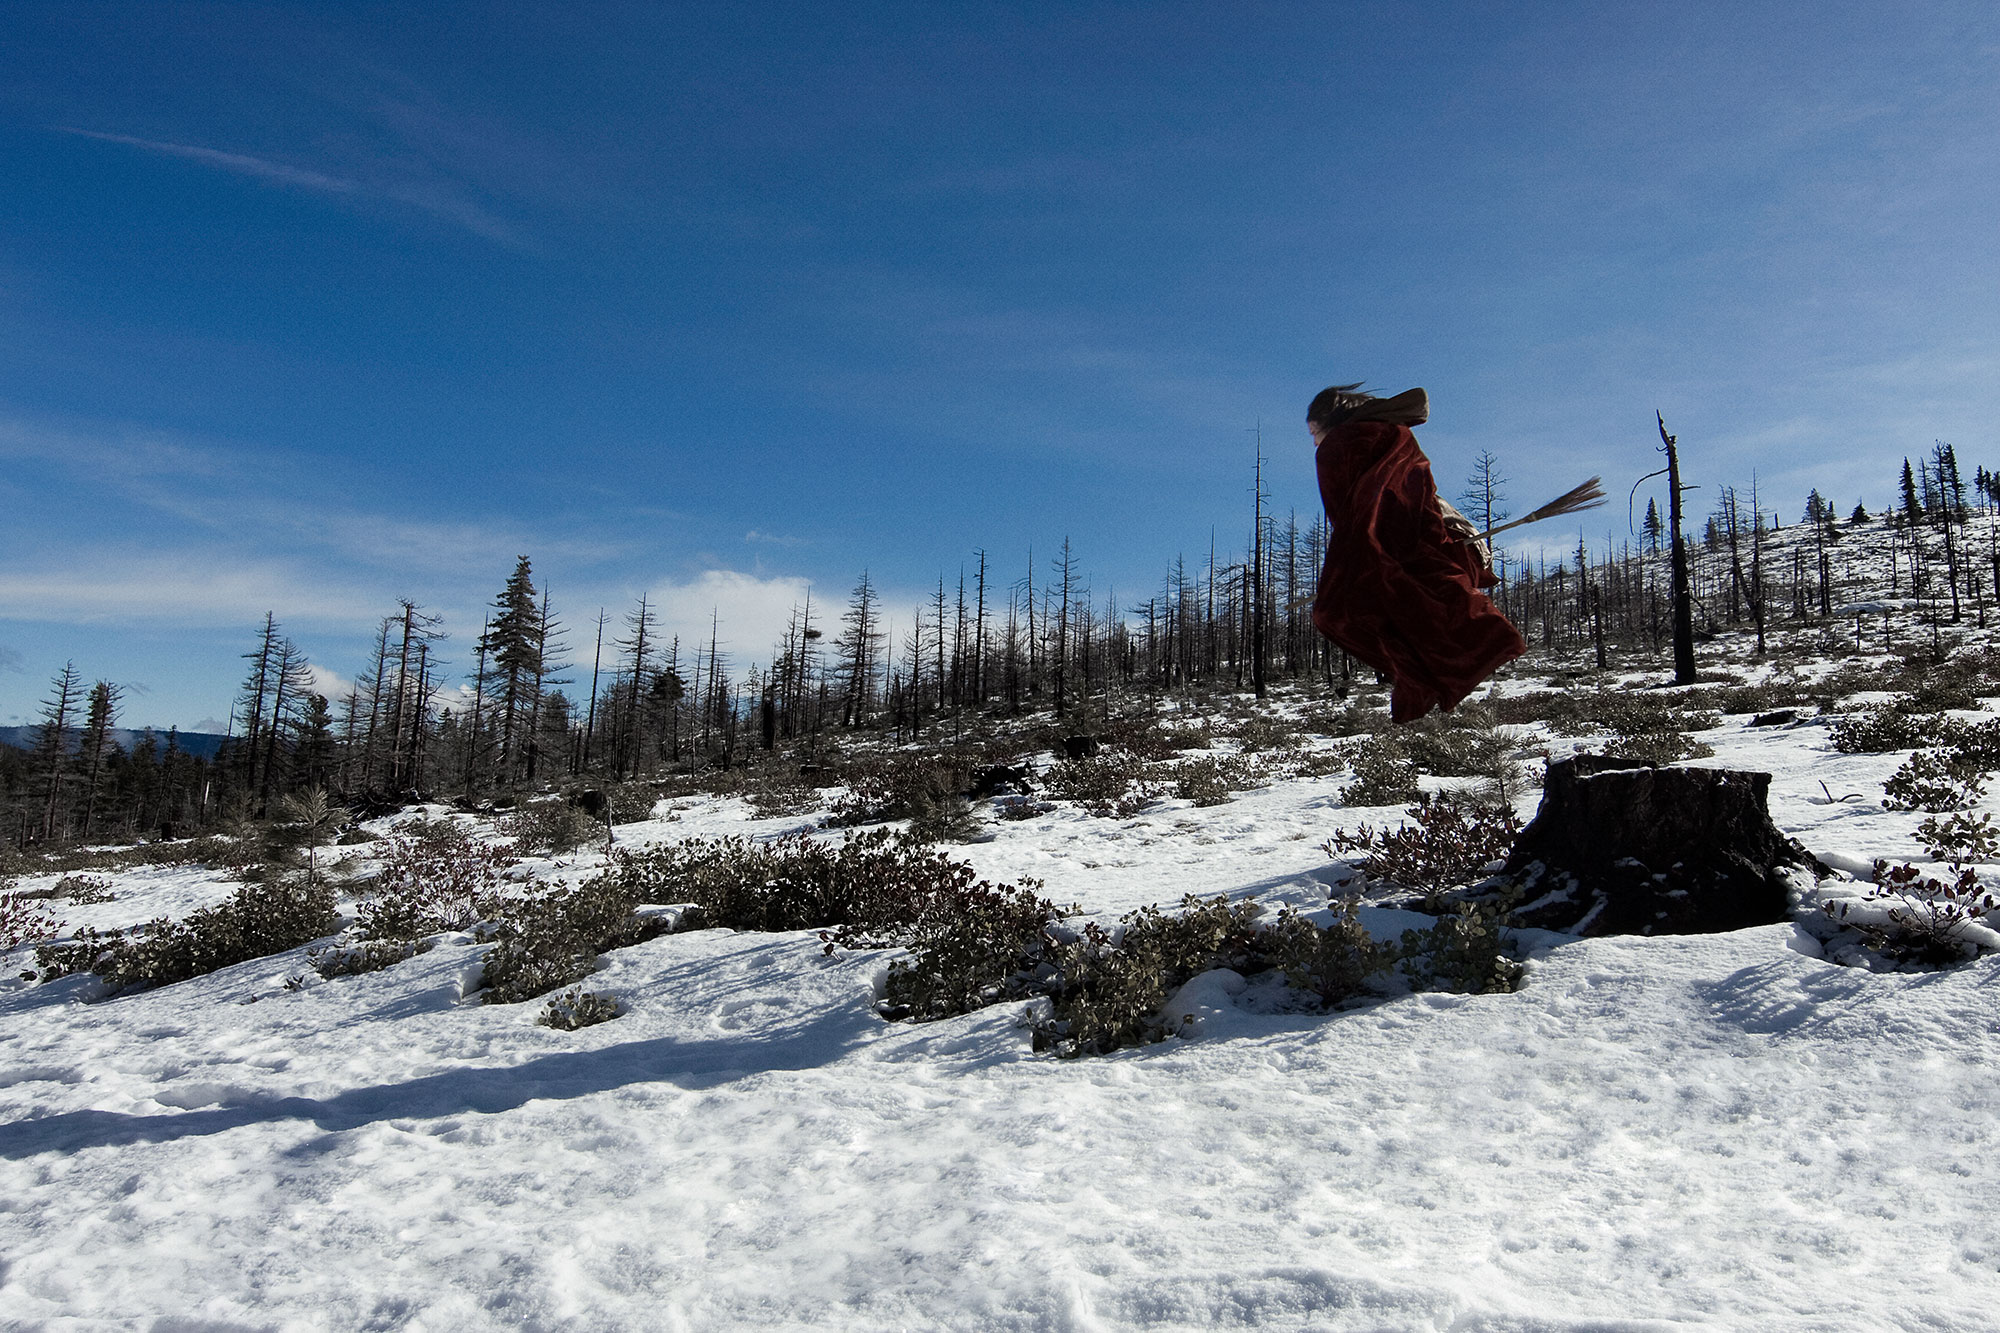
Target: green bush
(435,876)
(364,956)
(1105,786)
(262,919)
(1332,963)
(975,945)
(631,802)
(1108,994)
(1446,843)
(1878,730)
(1384,773)
(927,790)
(577,1008)
(1657,747)
(554,939)
(1936,781)
(1266,732)
(1461,744)
(1465,951)
(552,826)
(1961,838)
(1210,779)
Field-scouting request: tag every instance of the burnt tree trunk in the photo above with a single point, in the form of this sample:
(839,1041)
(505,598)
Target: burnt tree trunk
(1621,847)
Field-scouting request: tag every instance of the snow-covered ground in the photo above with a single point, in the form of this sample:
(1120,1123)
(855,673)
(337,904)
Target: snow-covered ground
(1707,1132)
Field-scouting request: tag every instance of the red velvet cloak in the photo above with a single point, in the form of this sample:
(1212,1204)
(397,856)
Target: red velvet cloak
(1396,591)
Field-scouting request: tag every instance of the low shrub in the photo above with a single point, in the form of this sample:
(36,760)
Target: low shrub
(869,881)
(1446,842)
(1908,917)
(1961,839)
(778,796)
(1151,737)
(1461,744)
(1384,773)
(23,920)
(435,876)
(1878,730)
(83,890)
(631,802)
(1977,743)
(1332,963)
(1104,786)
(364,956)
(1937,781)
(554,939)
(927,790)
(972,945)
(1314,763)
(1465,952)
(1107,992)
(1210,779)
(552,826)
(1265,732)
(1656,747)
(1346,719)
(262,919)
(577,1008)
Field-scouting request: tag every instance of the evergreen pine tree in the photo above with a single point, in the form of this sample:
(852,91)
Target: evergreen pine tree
(512,648)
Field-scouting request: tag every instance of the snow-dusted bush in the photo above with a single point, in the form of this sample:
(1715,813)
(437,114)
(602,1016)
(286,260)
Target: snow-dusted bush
(1657,747)
(1446,842)
(1335,962)
(83,890)
(552,826)
(1265,732)
(1321,763)
(630,802)
(1909,918)
(280,913)
(1105,786)
(1384,773)
(927,790)
(555,938)
(1465,951)
(577,1008)
(1460,744)
(1934,780)
(434,876)
(363,956)
(1961,838)
(1210,779)
(972,945)
(23,919)
(1877,730)
(775,795)
(1108,990)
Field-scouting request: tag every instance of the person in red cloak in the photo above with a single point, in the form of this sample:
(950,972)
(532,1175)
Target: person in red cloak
(1401,586)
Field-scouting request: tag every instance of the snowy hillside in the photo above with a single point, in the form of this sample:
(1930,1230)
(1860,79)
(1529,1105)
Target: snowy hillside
(1704,1132)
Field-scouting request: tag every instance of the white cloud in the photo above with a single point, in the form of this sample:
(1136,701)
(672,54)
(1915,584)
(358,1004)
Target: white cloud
(182,587)
(329,683)
(748,614)
(441,199)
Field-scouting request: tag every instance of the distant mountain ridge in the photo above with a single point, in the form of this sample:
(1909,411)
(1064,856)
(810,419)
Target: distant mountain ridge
(200,744)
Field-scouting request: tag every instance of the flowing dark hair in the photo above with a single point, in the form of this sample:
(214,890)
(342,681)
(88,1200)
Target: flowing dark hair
(1331,406)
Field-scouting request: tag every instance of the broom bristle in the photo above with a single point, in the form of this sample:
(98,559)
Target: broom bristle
(1587,496)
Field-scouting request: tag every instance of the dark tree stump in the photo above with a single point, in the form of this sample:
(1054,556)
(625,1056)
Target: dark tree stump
(1623,847)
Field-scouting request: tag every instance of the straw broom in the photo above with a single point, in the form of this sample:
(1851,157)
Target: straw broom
(1589,495)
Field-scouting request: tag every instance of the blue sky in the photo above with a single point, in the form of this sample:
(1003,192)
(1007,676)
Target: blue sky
(308,308)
